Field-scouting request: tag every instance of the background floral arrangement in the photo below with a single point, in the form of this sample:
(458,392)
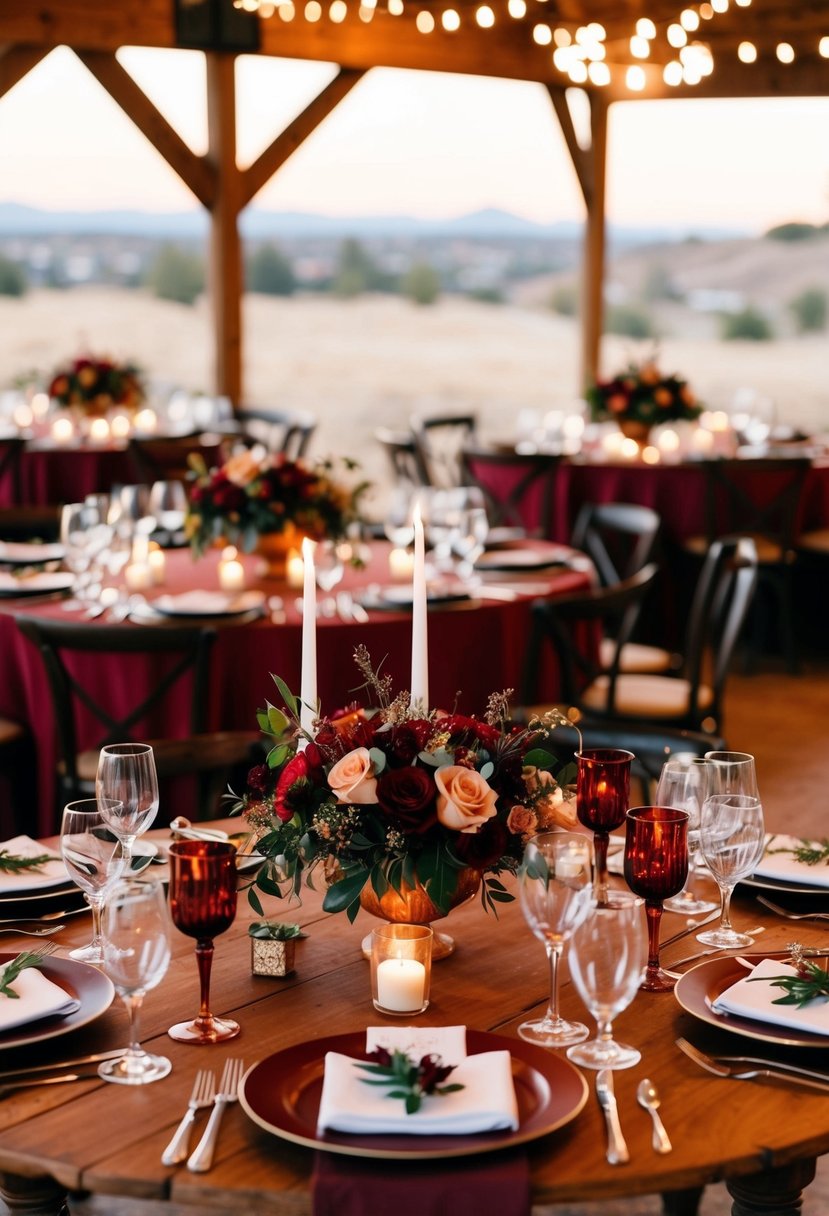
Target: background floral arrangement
(642,394)
(256,492)
(388,797)
(97,385)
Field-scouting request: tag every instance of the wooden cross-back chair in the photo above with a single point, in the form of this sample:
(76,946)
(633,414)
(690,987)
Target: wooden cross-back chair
(404,456)
(163,457)
(286,431)
(518,488)
(439,439)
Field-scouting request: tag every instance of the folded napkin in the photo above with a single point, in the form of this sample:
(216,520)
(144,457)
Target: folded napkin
(448,1042)
(38,998)
(786,868)
(208,603)
(756,1000)
(50,874)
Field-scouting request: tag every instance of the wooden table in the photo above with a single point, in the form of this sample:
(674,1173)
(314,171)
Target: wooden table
(91,1136)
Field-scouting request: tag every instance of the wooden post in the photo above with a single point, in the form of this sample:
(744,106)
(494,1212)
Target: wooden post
(225,266)
(594,243)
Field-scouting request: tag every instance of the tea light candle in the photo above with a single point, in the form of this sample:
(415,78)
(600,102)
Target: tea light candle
(99,430)
(23,416)
(40,405)
(146,421)
(138,576)
(231,570)
(420,645)
(157,562)
(401,563)
(702,441)
(62,430)
(120,426)
(401,984)
(295,569)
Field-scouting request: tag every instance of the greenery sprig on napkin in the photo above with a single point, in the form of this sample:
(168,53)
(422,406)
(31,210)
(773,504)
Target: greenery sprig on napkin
(810,853)
(13,863)
(810,982)
(9,973)
(410,1081)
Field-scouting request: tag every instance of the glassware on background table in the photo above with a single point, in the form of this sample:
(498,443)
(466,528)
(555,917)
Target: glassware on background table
(76,520)
(685,782)
(167,504)
(136,958)
(94,860)
(734,773)
(732,839)
(328,571)
(656,866)
(203,905)
(556,892)
(607,957)
(602,793)
(127,777)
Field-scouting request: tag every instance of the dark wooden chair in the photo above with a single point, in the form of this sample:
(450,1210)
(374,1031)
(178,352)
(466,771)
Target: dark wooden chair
(518,488)
(163,457)
(404,456)
(153,666)
(286,431)
(440,439)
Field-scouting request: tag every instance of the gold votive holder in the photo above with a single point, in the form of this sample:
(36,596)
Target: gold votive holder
(401,968)
(273,948)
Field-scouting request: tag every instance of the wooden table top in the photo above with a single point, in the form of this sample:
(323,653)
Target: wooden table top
(108,1139)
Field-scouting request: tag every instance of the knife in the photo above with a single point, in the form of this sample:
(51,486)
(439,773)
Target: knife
(16,1073)
(59,1080)
(617,1150)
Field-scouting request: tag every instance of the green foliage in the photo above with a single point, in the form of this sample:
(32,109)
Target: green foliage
(176,275)
(565,300)
(749,325)
(12,278)
(809,309)
(793,231)
(629,321)
(659,285)
(270,272)
(357,272)
(421,283)
(486,295)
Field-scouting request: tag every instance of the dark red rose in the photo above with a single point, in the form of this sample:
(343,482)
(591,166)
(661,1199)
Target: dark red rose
(408,796)
(229,497)
(259,777)
(296,769)
(483,848)
(409,739)
(467,730)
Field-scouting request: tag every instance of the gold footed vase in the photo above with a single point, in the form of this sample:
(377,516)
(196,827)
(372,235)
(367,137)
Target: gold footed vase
(273,550)
(412,906)
(631,429)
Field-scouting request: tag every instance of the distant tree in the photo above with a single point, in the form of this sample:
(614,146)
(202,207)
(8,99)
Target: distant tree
(565,300)
(177,275)
(793,231)
(629,321)
(748,325)
(421,283)
(270,272)
(12,278)
(810,309)
(357,271)
(486,295)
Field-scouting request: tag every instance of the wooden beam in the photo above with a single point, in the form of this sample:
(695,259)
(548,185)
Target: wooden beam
(592,311)
(16,62)
(287,142)
(582,161)
(193,170)
(225,277)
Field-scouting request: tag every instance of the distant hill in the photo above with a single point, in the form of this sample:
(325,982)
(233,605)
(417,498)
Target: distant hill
(16,219)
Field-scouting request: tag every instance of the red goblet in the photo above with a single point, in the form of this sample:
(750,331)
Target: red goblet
(202,905)
(656,867)
(602,791)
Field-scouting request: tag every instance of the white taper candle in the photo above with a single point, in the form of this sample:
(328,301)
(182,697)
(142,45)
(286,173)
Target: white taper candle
(420,643)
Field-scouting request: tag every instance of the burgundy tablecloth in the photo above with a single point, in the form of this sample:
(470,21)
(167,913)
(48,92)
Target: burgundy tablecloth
(475,648)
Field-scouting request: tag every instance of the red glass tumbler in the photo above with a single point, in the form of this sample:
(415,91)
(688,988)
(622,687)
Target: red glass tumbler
(202,905)
(656,867)
(602,793)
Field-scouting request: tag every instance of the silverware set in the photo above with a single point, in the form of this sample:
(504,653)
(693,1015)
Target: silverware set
(752,1068)
(647,1096)
(204,1094)
(761,899)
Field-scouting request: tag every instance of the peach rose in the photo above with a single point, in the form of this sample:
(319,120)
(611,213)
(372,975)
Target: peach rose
(242,468)
(521,821)
(465,800)
(351,778)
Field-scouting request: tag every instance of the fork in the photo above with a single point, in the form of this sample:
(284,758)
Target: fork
(761,899)
(201,1158)
(204,1089)
(748,1068)
(45,931)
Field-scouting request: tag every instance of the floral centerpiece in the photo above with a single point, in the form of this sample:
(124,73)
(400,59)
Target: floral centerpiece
(95,386)
(392,798)
(256,493)
(643,396)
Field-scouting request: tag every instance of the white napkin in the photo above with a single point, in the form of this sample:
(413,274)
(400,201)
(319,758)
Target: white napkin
(38,998)
(208,603)
(486,1103)
(755,1000)
(448,1042)
(786,868)
(50,874)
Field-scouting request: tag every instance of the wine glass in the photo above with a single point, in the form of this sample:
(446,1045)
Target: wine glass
(136,958)
(734,773)
(203,904)
(167,504)
(328,572)
(126,776)
(602,791)
(732,838)
(685,782)
(607,957)
(75,521)
(94,860)
(656,865)
(555,889)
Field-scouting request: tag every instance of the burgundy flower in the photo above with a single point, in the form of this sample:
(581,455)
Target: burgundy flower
(483,848)
(410,738)
(259,777)
(296,769)
(229,497)
(408,796)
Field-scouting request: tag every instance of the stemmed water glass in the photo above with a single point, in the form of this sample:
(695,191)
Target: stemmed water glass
(94,860)
(203,905)
(607,956)
(167,504)
(555,889)
(127,777)
(136,958)
(732,839)
(656,866)
(685,782)
(328,572)
(734,773)
(602,792)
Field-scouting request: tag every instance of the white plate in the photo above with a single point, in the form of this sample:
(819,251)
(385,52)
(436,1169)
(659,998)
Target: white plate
(18,553)
(208,603)
(34,584)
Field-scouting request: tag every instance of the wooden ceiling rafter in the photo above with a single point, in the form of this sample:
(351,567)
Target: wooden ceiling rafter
(16,62)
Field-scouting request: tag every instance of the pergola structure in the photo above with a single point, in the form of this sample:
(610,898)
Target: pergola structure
(748,49)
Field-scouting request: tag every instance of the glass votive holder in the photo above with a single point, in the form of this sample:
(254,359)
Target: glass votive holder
(401,968)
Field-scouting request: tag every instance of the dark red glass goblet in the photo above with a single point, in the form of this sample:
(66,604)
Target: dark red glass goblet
(656,867)
(602,793)
(203,905)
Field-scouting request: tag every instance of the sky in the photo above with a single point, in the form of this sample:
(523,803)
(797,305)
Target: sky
(423,144)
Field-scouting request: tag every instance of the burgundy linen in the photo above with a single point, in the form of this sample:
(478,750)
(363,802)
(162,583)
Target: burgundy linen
(465,1186)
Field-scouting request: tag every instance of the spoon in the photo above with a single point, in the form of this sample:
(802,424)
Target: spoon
(648,1097)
